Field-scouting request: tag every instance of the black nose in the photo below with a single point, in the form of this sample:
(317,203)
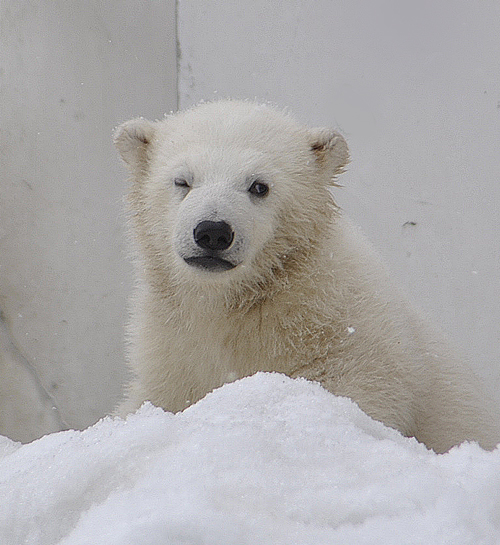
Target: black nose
(213,235)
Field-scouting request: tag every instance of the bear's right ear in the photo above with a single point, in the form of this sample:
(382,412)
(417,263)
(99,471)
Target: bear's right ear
(132,139)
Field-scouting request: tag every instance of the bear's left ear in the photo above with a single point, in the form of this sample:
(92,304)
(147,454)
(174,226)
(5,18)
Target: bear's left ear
(132,139)
(330,149)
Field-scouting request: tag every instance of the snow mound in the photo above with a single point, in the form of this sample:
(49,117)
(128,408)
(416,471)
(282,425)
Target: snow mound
(263,461)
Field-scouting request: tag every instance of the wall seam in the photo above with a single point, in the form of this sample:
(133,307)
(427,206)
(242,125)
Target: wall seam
(177,55)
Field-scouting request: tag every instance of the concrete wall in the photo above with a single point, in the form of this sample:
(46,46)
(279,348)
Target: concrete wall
(70,72)
(415,88)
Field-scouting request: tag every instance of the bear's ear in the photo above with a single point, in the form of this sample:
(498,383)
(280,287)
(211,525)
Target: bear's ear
(132,139)
(330,149)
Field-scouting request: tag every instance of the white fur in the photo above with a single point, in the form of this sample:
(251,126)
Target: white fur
(307,295)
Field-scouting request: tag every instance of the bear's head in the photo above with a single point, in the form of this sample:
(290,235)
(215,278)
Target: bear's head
(230,191)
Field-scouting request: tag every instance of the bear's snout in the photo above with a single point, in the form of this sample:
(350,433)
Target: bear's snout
(215,236)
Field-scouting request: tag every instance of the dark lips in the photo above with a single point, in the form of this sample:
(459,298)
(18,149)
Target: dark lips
(209,263)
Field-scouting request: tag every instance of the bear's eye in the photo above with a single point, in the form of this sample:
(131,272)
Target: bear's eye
(181,182)
(259,189)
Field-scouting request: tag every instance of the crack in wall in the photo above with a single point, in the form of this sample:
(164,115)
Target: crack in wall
(10,347)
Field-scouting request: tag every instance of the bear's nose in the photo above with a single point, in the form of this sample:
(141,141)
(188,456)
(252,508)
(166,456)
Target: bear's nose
(213,235)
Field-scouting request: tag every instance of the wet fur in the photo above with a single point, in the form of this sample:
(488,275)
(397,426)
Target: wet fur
(313,300)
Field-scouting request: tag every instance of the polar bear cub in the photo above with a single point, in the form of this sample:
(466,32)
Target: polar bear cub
(246,264)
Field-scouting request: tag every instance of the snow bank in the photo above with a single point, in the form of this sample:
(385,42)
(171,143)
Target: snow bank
(265,460)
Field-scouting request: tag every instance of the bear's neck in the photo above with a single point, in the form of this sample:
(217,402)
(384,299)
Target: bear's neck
(283,297)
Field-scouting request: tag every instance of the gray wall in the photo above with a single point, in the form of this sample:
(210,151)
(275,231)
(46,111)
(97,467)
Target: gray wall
(415,88)
(70,72)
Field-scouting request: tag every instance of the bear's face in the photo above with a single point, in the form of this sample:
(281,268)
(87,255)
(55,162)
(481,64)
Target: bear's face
(230,188)
(222,207)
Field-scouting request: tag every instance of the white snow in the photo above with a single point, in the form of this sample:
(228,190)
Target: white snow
(264,461)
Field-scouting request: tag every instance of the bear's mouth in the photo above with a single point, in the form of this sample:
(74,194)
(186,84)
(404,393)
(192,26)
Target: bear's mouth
(210,263)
